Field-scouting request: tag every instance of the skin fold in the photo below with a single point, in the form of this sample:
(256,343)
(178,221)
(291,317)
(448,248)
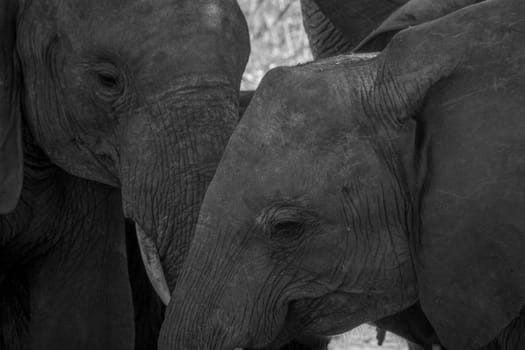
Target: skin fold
(336,27)
(411,13)
(356,186)
(70,285)
(108,109)
(148,308)
(330,36)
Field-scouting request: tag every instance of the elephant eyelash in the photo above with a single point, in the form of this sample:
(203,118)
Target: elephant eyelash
(285,222)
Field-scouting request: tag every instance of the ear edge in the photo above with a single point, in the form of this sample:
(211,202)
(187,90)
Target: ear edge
(11,176)
(412,13)
(404,73)
(11,150)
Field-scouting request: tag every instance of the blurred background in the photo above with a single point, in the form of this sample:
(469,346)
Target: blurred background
(278,39)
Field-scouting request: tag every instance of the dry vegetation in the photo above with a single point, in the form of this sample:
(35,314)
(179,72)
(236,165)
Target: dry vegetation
(278,39)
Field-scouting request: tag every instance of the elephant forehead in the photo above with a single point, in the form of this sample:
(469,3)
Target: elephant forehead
(92,9)
(213,14)
(313,172)
(294,107)
(134,19)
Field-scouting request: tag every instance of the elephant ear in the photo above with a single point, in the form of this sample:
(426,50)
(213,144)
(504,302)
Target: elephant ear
(335,27)
(410,14)
(460,79)
(11,151)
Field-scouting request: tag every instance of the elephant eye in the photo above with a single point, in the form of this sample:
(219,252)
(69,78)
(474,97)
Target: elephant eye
(288,229)
(108,80)
(287,223)
(288,232)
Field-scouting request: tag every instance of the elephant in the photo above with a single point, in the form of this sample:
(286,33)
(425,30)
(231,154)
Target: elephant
(357,186)
(148,308)
(336,27)
(109,110)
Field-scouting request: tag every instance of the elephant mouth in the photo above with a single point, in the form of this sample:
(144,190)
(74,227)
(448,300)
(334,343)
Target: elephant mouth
(151,258)
(324,316)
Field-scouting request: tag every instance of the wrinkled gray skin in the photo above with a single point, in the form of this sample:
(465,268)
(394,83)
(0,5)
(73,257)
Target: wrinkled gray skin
(353,188)
(123,105)
(336,27)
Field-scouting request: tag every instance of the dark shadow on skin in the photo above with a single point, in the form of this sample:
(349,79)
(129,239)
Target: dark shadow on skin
(412,325)
(14,303)
(310,343)
(246,97)
(148,308)
(335,27)
(512,337)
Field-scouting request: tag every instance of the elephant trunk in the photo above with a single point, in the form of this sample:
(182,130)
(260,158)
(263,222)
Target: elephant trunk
(197,318)
(172,154)
(223,300)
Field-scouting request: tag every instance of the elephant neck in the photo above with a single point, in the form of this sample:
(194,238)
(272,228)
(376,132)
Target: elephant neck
(52,204)
(40,174)
(36,204)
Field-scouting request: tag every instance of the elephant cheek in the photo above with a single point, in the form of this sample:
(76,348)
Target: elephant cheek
(228,300)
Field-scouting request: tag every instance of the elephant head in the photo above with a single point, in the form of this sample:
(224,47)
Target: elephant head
(355,186)
(137,95)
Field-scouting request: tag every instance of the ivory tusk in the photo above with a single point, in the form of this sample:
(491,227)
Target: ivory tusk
(151,259)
